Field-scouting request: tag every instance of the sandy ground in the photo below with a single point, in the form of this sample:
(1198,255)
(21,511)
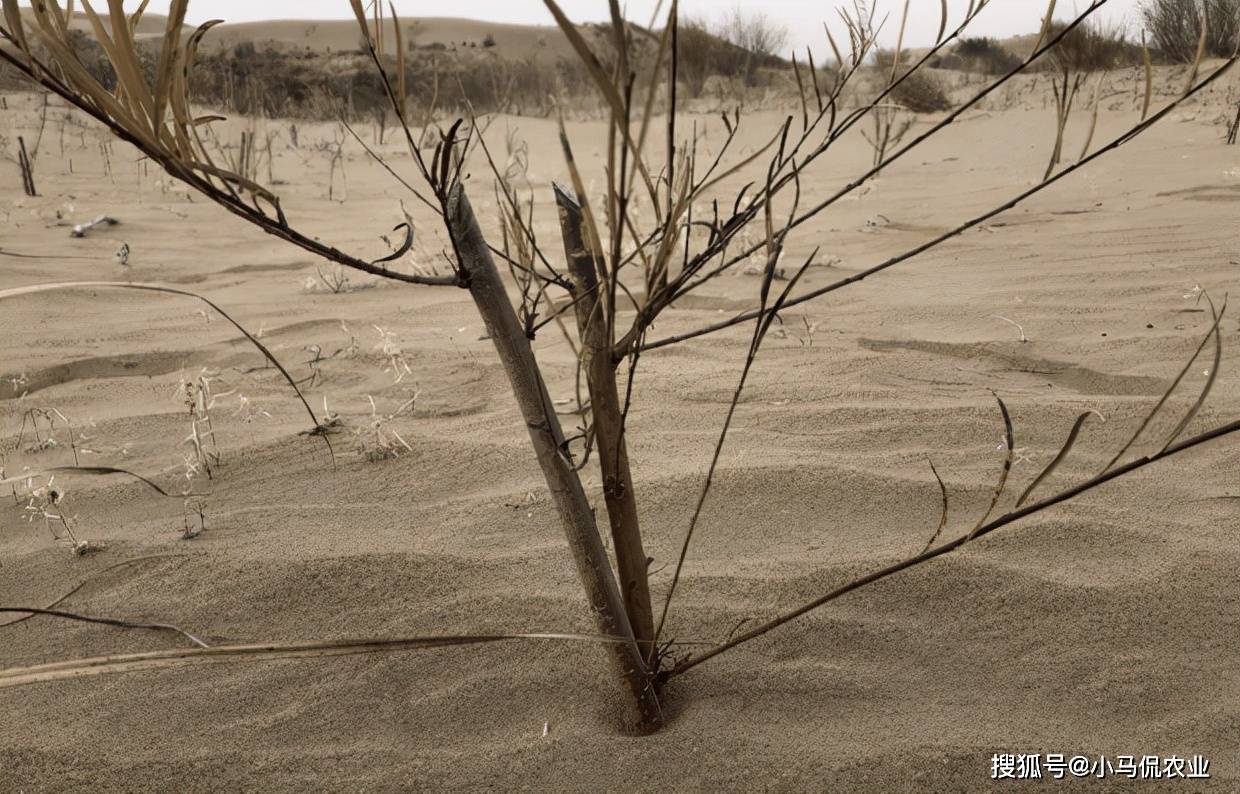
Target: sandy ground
(1107,626)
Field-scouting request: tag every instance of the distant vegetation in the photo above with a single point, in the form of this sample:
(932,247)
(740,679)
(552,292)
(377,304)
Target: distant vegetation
(739,51)
(1094,47)
(1089,47)
(330,85)
(739,46)
(918,91)
(453,77)
(1175,27)
(722,58)
(979,55)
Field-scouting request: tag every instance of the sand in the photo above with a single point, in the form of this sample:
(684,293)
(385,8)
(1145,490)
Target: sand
(341,35)
(1107,626)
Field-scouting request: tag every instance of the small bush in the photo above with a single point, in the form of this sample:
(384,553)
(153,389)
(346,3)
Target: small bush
(919,91)
(1174,27)
(1092,47)
(985,56)
(282,84)
(697,56)
(922,93)
(739,46)
(488,41)
(947,60)
(93,57)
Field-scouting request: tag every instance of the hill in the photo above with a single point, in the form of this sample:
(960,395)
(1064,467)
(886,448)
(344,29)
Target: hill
(516,42)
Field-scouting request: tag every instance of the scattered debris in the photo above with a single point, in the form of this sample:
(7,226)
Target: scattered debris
(82,229)
(84,547)
(1023,339)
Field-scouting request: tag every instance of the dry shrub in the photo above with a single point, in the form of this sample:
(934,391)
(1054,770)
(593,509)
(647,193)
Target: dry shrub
(1174,27)
(758,38)
(319,85)
(644,659)
(983,56)
(739,46)
(1092,46)
(697,54)
(93,57)
(919,91)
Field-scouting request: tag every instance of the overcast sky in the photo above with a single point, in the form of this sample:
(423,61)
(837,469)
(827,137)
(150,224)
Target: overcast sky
(803,18)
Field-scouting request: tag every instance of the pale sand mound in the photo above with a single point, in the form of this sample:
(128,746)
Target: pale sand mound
(1103,627)
(511,41)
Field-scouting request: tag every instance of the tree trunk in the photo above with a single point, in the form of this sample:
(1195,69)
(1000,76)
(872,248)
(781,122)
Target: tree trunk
(600,368)
(547,437)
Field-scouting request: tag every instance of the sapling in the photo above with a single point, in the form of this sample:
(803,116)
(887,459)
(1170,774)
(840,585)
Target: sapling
(247,411)
(44,436)
(194,507)
(396,364)
(335,280)
(334,149)
(47,502)
(810,328)
(377,440)
(196,395)
(316,374)
(673,253)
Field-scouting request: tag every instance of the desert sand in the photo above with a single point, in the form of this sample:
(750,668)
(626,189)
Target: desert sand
(341,35)
(1106,626)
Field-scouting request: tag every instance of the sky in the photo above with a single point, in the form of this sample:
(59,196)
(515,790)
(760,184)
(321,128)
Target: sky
(802,18)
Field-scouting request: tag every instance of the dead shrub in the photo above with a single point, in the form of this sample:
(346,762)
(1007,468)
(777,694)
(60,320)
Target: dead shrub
(1092,46)
(919,91)
(740,46)
(1174,27)
(984,56)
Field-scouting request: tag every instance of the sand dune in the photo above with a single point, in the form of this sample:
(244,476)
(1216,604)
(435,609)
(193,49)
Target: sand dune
(336,35)
(148,24)
(516,41)
(1103,627)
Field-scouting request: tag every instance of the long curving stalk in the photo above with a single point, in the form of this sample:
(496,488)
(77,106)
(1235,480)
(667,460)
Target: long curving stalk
(547,437)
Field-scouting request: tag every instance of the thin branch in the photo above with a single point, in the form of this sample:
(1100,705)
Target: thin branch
(755,345)
(96,574)
(954,545)
(124,624)
(976,221)
(267,354)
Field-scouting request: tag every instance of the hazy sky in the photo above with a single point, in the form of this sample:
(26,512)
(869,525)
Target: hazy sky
(803,18)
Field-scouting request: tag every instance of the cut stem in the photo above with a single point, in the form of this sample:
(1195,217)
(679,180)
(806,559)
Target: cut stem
(600,368)
(547,438)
